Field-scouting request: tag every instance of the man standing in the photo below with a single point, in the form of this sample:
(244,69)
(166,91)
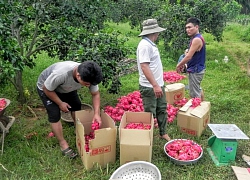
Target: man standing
(57,87)
(195,58)
(151,83)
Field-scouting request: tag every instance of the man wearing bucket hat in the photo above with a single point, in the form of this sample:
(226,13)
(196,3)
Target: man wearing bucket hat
(151,83)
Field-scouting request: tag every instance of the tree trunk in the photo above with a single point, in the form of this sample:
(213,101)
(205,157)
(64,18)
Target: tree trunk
(19,86)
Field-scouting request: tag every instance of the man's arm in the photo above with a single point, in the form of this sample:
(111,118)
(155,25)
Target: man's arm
(196,46)
(96,105)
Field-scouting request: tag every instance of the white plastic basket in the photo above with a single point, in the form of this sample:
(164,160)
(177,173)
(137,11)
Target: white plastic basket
(137,170)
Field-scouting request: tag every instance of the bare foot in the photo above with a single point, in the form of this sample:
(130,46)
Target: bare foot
(165,136)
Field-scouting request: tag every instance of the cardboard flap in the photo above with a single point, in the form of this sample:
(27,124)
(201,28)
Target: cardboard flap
(173,87)
(80,130)
(85,117)
(107,121)
(186,106)
(199,111)
(137,117)
(241,173)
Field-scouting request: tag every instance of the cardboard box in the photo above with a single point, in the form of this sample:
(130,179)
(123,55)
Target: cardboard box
(136,144)
(103,146)
(194,121)
(174,92)
(241,173)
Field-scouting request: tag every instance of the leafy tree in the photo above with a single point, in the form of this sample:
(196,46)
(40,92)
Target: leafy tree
(134,12)
(232,9)
(65,29)
(173,18)
(213,15)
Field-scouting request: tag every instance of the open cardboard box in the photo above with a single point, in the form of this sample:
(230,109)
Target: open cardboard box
(136,144)
(103,146)
(194,121)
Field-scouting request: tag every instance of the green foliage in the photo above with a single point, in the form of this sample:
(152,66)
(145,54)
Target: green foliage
(173,19)
(173,15)
(61,28)
(232,9)
(211,14)
(75,30)
(105,48)
(134,11)
(242,19)
(8,45)
(245,6)
(245,35)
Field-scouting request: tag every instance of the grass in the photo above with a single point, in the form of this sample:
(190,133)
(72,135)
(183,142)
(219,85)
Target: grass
(226,86)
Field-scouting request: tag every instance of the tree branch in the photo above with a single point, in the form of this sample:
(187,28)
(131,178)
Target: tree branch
(33,38)
(17,34)
(12,82)
(41,47)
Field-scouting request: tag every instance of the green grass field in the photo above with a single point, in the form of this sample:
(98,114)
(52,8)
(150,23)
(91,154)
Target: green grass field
(226,86)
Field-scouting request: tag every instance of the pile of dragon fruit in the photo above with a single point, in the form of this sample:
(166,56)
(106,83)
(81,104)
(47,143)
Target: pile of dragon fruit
(133,103)
(183,149)
(172,77)
(3,103)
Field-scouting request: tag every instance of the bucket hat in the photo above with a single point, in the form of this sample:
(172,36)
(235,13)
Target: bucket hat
(150,26)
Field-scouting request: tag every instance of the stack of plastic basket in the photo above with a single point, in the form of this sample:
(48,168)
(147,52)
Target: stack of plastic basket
(137,170)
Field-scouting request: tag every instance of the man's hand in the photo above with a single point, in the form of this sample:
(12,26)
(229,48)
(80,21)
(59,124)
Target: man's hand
(179,69)
(64,107)
(158,91)
(97,118)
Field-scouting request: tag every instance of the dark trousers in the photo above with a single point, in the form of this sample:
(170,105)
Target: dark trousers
(157,106)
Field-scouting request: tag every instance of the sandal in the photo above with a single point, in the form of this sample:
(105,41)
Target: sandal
(246,159)
(69,153)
